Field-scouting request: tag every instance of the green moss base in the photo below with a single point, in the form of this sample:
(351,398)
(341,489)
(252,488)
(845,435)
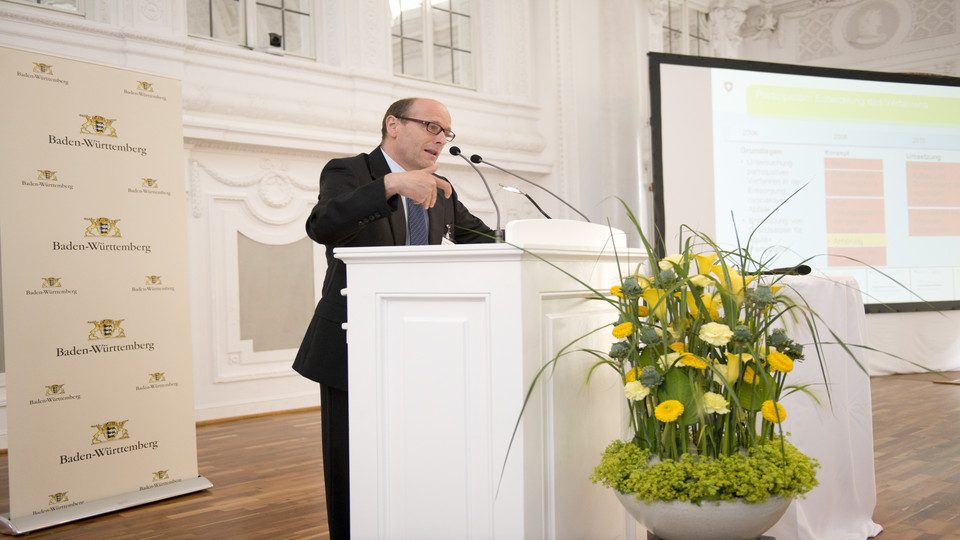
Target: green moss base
(770,469)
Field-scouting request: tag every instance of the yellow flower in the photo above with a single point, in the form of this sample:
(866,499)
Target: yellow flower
(616,291)
(693,361)
(715,403)
(716,333)
(652,298)
(678,346)
(667,262)
(749,376)
(773,412)
(691,303)
(636,391)
(712,303)
(701,281)
(705,263)
(779,362)
(737,280)
(643,311)
(622,330)
(632,375)
(668,411)
(743,357)
(733,369)
(733,365)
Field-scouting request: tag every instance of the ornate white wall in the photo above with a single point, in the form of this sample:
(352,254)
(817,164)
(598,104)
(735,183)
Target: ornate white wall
(877,35)
(561,99)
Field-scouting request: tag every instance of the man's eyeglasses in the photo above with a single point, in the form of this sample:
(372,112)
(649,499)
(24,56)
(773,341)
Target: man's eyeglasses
(432,127)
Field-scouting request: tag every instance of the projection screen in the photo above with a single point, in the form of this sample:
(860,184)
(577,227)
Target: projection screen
(866,166)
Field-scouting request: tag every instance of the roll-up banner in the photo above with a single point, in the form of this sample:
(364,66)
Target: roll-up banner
(95,310)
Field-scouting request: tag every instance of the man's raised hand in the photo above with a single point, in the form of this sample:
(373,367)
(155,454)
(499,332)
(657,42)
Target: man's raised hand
(420,186)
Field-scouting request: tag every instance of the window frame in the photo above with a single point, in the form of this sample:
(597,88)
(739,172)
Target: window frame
(248,27)
(81,6)
(689,13)
(428,45)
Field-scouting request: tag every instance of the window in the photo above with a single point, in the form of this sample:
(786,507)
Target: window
(269,25)
(432,40)
(217,19)
(72,6)
(685,30)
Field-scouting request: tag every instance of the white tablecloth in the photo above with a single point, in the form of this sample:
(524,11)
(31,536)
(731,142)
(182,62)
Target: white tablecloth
(839,433)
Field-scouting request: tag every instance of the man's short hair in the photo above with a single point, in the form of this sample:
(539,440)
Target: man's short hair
(397,109)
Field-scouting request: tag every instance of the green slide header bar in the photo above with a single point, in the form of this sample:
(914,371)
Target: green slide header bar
(790,102)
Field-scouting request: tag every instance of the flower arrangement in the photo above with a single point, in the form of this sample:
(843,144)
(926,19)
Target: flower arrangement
(704,361)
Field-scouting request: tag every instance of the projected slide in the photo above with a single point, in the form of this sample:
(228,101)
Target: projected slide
(876,163)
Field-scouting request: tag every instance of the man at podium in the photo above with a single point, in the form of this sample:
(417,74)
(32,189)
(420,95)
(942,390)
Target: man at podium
(389,197)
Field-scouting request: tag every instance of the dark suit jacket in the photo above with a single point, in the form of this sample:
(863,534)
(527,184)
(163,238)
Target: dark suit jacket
(352,210)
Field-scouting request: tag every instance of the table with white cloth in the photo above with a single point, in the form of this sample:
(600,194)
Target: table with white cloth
(839,431)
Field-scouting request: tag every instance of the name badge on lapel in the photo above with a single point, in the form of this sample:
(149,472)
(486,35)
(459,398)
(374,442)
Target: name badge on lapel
(447,239)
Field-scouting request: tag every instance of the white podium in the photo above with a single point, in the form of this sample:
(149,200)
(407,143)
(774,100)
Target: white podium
(444,342)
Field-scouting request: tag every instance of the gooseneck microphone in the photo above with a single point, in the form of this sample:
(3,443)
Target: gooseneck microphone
(498,232)
(798,270)
(477,159)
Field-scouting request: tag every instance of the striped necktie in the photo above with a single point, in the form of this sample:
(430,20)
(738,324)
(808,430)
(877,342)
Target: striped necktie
(416,223)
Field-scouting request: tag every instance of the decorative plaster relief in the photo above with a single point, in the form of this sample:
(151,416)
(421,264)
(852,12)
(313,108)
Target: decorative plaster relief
(564,159)
(815,7)
(946,67)
(932,18)
(815,36)
(271,171)
(275,188)
(374,29)
(151,10)
(520,38)
(656,14)
(871,24)
(761,23)
(657,10)
(275,191)
(725,24)
(194,196)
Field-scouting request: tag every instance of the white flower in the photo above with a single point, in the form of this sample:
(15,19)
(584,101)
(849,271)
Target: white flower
(667,361)
(715,403)
(636,391)
(667,262)
(716,333)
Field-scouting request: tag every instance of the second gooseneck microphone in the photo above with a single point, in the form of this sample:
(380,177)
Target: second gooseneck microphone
(498,232)
(477,159)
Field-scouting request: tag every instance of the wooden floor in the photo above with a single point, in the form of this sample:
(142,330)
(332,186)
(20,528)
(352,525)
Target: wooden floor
(916,442)
(267,479)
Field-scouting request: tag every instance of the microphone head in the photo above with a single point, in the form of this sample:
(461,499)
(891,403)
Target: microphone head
(455,150)
(476,159)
